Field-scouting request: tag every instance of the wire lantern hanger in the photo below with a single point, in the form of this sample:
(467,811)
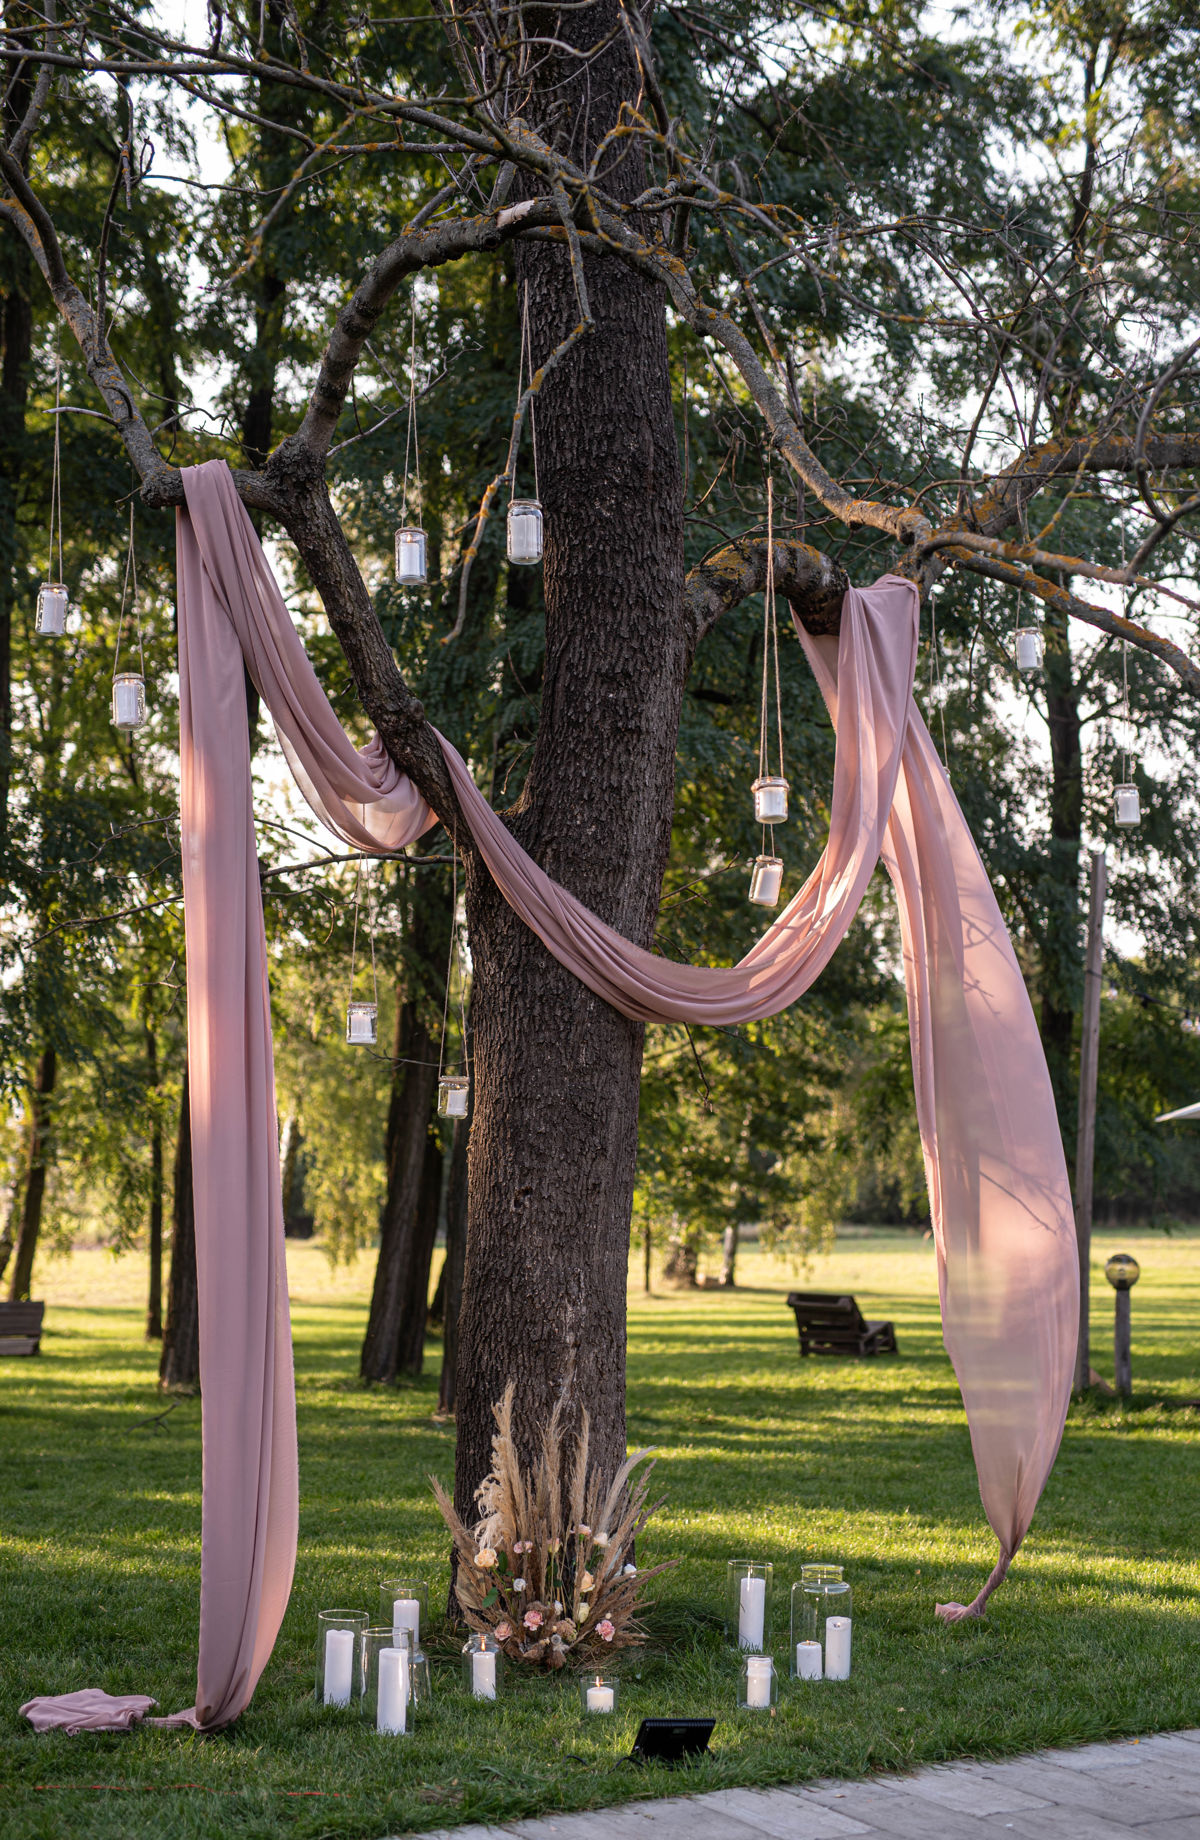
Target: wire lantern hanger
(129,687)
(362,1018)
(1126,798)
(770,789)
(53,601)
(411,565)
(524,528)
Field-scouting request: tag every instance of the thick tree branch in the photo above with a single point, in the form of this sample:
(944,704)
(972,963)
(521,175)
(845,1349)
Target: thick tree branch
(812,583)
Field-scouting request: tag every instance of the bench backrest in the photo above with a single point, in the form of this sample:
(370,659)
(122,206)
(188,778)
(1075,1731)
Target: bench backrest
(827,1310)
(21,1318)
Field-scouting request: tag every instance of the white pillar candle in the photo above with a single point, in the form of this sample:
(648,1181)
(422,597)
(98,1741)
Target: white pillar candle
(406,1614)
(599,1698)
(339,1666)
(483,1674)
(837,1648)
(758,1680)
(808,1660)
(752,1603)
(391,1712)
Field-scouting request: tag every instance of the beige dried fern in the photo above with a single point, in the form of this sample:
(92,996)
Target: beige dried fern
(547,1567)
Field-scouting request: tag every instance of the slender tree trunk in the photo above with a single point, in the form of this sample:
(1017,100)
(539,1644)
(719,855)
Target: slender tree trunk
(35,1176)
(414,1306)
(729,1250)
(154,1326)
(1061,966)
(554,1137)
(179,1365)
(456,1258)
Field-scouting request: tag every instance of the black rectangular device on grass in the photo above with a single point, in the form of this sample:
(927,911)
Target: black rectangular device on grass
(671,1740)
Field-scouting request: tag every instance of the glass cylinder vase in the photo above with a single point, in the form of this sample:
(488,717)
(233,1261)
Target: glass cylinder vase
(598,1694)
(404,1604)
(386,1688)
(483,1665)
(759,1688)
(339,1657)
(822,1620)
(748,1603)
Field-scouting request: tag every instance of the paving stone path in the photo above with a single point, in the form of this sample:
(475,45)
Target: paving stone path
(1143,1787)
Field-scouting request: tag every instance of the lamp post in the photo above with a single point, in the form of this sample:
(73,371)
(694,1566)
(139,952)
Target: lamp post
(1122,1272)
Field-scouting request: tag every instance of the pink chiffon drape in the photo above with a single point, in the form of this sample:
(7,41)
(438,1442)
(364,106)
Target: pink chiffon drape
(997,1180)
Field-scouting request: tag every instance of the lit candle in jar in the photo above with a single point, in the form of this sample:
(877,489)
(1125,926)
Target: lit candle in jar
(406,1614)
(808,1660)
(752,1603)
(600,1698)
(339,1666)
(483,1674)
(837,1648)
(758,1681)
(391,1714)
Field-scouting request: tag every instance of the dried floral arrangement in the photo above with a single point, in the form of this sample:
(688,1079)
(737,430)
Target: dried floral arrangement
(548,1568)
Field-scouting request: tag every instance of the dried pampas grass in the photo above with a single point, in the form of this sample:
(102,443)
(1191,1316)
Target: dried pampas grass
(548,1568)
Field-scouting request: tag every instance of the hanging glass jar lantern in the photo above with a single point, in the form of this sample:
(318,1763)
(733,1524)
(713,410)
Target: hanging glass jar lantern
(454,1095)
(770,800)
(362,1021)
(128,700)
(1031,648)
(766,880)
(524,530)
(410,556)
(53,603)
(1128,806)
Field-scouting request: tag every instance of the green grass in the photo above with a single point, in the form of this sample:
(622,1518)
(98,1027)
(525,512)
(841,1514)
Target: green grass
(867,1463)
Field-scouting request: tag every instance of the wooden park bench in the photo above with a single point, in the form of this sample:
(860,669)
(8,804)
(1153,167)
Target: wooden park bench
(21,1327)
(833,1324)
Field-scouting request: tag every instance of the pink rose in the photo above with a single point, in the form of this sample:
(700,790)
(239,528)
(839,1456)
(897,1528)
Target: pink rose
(503,1631)
(532,1619)
(606,1630)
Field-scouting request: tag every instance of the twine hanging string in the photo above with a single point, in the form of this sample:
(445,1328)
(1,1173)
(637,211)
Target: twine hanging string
(450,957)
(770,656)
(129,597)
(1125,717)
(56,473)
(411,443)
(526,357)
(370,933)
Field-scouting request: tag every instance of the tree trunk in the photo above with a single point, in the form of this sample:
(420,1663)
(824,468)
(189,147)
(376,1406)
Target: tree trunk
(180,1362)
(414,1305)
(35,1178)
(554,1137)
(729,1248)
(1061,969)
(154,1327)
(456,1258)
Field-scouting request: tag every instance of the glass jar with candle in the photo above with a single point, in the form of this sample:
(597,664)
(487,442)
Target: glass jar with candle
(128,699)
(759,1688)
(598,1693)
(822,1618)
(748,1603)
(483,1664)
(50,619)
(454,1095)
(386,1689)
(420,1681)
(362,1021)
(340,1657)
(770,800)
(404,1604)
(410,556)
(1129,806)
(1030,649)
(524,530)
(766,880)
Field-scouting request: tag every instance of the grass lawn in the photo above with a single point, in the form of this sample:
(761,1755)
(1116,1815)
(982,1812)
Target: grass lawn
(1097,1632)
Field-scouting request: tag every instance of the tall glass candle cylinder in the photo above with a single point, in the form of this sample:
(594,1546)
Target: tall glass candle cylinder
(339,1656)
(821,1624)
(386,1680)
(482,1664)
(404,1603)
(748,1603)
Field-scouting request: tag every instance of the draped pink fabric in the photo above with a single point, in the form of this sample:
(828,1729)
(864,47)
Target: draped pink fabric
(997,1179)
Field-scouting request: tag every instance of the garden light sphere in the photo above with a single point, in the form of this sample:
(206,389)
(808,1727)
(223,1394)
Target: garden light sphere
(1122,1271)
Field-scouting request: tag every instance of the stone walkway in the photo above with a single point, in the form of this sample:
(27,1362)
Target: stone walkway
(1148,1787)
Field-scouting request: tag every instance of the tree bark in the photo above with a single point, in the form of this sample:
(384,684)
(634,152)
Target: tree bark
(554,1136)
(179,1365)
(35,1177)
(154,1326)
(414,1305)
(456,1258)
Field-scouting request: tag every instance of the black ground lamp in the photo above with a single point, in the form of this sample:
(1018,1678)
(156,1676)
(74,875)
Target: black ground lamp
(1122,1272)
